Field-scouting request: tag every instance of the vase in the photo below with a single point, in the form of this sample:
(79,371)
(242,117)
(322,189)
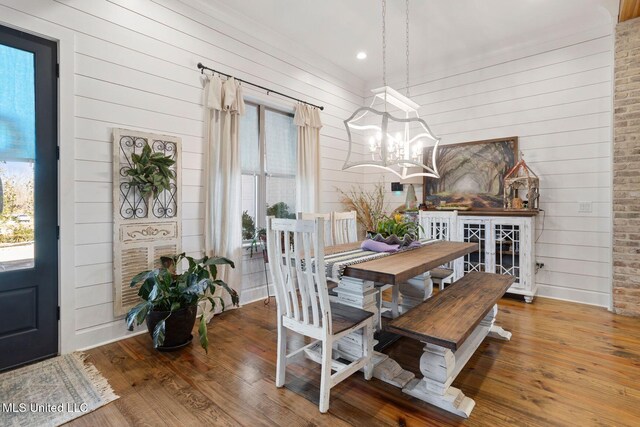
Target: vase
(178,326)
(406,240)
(148,200)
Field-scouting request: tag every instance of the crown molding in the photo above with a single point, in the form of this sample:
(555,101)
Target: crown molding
(276,44)
(453,66)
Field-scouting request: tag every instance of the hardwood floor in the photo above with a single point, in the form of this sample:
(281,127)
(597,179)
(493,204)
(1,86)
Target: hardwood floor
(567,364)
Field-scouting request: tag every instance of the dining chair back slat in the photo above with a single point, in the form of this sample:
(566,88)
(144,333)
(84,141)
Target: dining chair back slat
(328,232)
(345,228)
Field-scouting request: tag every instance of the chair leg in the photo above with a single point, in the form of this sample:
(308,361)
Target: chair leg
(395,305)
(281,364)
(379,302)
(368,350)
(325,376)
(441,284)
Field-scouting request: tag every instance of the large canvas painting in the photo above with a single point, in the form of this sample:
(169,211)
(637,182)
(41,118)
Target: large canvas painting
(471,173)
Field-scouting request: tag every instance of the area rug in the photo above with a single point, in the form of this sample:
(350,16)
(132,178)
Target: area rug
(52,392)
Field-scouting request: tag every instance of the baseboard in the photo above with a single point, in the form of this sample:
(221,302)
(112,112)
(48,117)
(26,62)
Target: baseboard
(252,295)
(105,334)
(574,295)
(111,332)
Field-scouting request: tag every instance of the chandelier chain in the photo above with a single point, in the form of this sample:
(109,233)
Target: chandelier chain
(384,49)
(407,42)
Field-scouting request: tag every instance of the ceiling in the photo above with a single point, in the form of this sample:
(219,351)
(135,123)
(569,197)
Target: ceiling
(440,30)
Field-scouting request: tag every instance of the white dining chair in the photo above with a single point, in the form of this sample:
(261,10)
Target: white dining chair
(328,231)
(306,309)
(345,227)
(440,226)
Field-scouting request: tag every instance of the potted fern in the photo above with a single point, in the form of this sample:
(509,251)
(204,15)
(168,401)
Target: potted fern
(150,172)
(170,300)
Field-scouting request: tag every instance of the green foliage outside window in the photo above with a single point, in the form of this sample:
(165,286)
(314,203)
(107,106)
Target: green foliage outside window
(18,204)
(280,210)
(248,226)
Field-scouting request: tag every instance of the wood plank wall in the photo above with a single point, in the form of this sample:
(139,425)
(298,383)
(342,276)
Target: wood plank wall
(556,97)
(135,67)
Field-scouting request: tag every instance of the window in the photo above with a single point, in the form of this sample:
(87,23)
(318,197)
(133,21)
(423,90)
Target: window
(268,140)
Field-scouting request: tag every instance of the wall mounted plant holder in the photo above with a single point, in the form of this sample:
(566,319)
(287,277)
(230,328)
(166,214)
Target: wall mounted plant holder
(146,226)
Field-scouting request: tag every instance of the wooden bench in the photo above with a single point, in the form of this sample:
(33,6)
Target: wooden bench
(452,324)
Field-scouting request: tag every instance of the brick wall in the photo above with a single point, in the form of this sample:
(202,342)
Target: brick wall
(626,170)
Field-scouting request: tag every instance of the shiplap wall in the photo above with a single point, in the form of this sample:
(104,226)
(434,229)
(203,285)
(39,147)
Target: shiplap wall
(135,67)
(557,99)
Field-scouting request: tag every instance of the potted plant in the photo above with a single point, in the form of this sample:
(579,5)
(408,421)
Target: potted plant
(150,172)
(255,238)
(171,299)
(396,230)
(258,241)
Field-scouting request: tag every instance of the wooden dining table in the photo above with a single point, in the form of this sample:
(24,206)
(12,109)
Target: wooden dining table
(407,269)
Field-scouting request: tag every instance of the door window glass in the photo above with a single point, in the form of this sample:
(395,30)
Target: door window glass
(17,156)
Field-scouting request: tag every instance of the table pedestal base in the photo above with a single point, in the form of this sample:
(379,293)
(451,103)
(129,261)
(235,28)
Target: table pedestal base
(350,347)
(390,372)
(452,400)
(439,365)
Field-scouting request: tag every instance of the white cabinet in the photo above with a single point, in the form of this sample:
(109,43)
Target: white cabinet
(505,245)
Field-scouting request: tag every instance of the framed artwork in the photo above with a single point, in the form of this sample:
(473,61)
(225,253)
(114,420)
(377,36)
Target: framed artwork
(471,173)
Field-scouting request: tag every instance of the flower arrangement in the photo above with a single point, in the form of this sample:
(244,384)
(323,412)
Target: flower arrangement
(398,225)
(370,206)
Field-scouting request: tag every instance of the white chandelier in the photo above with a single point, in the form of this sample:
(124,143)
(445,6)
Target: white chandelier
(394,143)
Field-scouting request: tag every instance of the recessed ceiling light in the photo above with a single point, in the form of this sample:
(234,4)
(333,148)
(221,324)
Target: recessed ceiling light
(361,55)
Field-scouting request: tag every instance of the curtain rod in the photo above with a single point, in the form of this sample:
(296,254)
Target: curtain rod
(202,68)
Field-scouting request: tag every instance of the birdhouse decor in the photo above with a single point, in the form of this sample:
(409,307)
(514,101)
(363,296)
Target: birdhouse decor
(521,177)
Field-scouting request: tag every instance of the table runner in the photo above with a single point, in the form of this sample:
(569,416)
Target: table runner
(335,264)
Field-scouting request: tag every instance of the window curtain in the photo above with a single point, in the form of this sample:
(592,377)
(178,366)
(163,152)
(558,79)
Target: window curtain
(223,211)
(308,121)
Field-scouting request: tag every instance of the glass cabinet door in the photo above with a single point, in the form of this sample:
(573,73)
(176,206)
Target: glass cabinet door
(474,232)
(507,249)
